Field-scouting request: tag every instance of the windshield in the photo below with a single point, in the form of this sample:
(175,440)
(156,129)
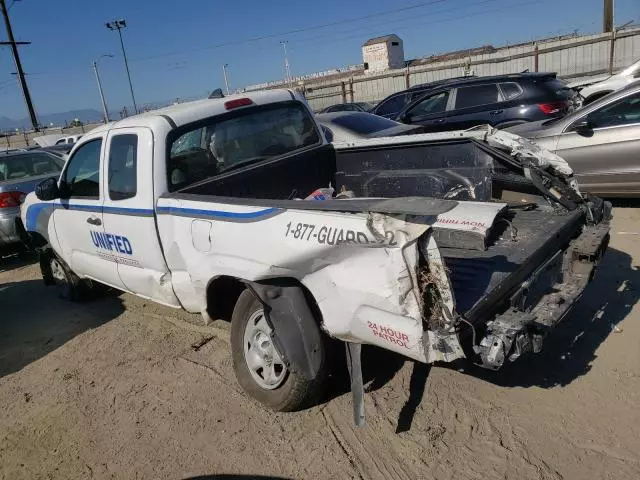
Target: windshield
(253,135)
(363,124)
(23,166)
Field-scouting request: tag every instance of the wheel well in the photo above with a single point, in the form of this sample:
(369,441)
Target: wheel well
(223,293)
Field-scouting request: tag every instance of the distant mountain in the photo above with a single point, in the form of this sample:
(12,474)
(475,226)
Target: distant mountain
(86,115)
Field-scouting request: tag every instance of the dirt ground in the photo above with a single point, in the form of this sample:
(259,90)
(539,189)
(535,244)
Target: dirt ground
(118,388)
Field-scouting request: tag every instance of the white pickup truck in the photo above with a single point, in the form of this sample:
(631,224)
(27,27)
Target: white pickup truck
(438,246)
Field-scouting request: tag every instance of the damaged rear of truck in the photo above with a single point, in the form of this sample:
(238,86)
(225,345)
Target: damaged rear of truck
(441,246)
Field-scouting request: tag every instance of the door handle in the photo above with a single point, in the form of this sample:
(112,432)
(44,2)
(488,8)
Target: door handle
(495,112)
(94,221)
(440,120)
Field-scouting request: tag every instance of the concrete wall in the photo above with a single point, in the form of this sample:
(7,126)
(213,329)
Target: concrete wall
(26,139)
(572,58)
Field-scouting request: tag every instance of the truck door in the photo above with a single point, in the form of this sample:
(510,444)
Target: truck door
(129,217)
(78,217)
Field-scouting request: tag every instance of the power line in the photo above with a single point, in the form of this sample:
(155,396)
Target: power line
(444,20)
(295,31)
(395,21)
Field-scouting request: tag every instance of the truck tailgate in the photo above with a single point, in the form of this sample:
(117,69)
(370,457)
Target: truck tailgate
(520,242)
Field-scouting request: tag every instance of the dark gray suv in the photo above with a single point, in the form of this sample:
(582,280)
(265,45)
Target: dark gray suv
(500,101)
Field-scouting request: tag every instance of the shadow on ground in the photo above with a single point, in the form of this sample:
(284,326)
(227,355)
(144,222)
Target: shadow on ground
(34,321)
(10,260)
(570,349)
(234,477)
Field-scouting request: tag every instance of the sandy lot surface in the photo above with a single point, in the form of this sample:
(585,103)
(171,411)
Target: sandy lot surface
(117,388)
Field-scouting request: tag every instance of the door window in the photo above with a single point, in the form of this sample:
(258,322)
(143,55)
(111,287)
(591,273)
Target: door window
(621,112)
(82,176)
(430,105)
(123,163)
(467,97)
(391,106)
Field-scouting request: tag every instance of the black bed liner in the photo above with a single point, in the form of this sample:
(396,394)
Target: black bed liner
(481,279)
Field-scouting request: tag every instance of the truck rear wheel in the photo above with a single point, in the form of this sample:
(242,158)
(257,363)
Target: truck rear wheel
(260,368)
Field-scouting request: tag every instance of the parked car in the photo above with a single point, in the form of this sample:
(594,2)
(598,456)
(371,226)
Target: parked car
(391,106)
(20,172)
(592,92)
(345,126)
(499,101)
(348,107)
(601,142)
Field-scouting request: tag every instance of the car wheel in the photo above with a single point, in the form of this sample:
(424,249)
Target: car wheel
(259,366)
(56,272)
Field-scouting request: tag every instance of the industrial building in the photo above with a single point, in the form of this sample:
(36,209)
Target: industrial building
(384,53)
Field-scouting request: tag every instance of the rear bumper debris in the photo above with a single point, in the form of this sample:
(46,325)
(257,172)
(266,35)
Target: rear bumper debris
(543,300)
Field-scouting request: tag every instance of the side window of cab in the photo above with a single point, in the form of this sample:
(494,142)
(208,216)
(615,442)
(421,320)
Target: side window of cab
(81,178)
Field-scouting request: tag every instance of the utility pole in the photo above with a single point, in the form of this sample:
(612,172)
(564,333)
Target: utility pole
(105,112)
(19,71)
(607,23)
(119,25)
(287,68)
(226,79)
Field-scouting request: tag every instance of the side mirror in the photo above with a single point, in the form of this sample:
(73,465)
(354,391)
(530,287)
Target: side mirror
(48,190)
(583,127)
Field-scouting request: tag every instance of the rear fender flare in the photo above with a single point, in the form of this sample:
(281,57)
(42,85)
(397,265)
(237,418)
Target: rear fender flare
(295,328)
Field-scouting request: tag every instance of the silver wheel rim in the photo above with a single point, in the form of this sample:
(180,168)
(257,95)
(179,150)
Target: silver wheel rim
(263,360)
(57,271)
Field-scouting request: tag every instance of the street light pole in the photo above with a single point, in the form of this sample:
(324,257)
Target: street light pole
(287,68)
(119,25)
(226,79)
(104,103)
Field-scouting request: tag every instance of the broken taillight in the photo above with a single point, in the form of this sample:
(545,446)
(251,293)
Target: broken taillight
(11,199)
(553,107)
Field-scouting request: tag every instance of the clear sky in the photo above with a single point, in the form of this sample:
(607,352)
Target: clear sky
(177,49)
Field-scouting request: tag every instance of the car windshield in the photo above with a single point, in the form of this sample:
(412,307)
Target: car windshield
(254,134)
(26,165)
(363,124)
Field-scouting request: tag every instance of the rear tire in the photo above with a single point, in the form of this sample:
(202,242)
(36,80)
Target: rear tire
(268,380)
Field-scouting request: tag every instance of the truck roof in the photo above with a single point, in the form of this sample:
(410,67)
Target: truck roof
(184,113)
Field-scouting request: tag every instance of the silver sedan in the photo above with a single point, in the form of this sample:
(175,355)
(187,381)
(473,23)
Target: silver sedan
(601,142)
(20,172)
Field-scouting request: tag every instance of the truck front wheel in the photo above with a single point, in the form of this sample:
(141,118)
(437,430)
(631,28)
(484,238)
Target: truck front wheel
(259,366)
(56,272)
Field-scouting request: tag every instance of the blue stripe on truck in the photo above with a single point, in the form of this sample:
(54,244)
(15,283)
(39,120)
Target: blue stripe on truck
(35,209)
(256,216)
